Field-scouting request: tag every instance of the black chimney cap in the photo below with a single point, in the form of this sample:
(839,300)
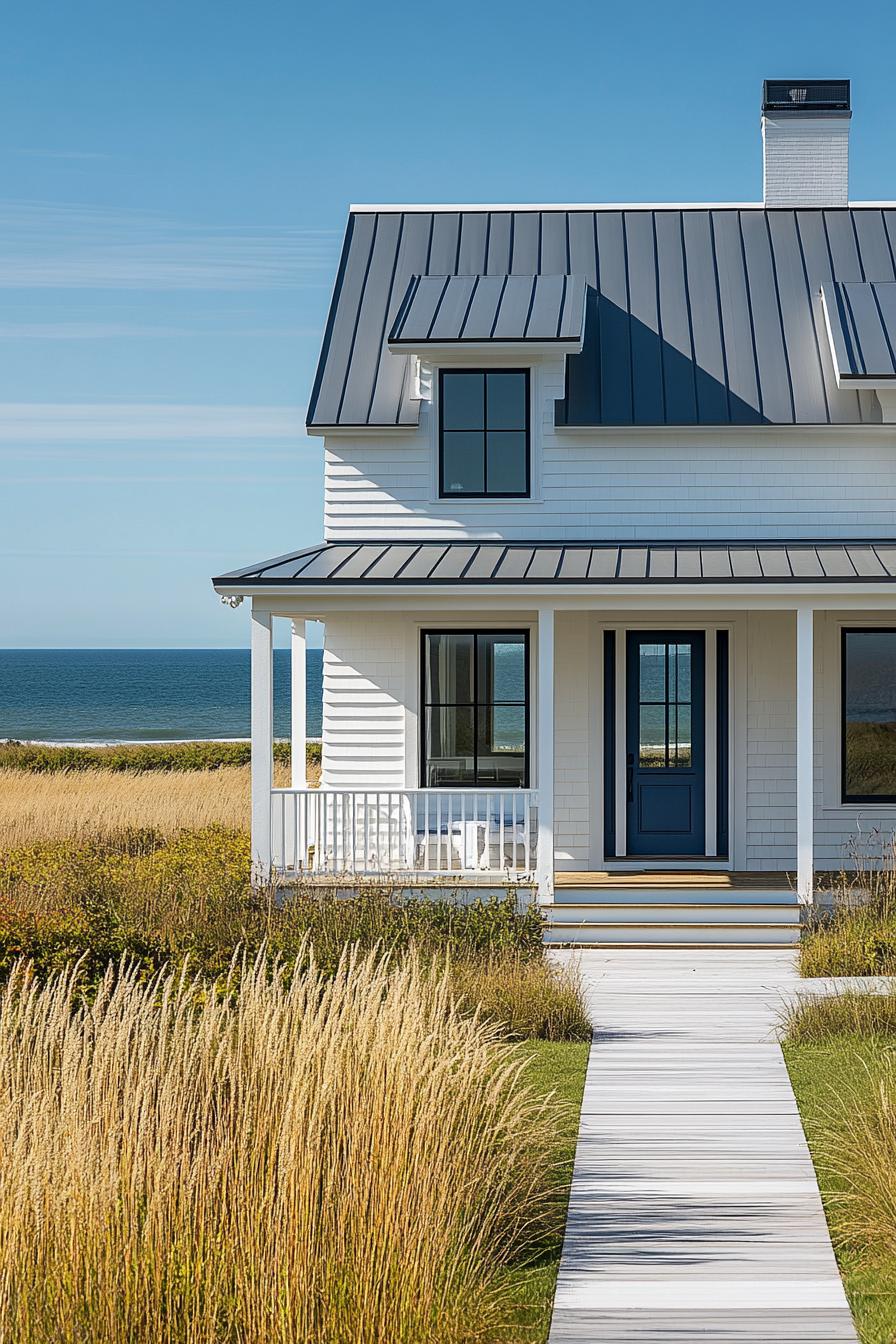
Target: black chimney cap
(805,95)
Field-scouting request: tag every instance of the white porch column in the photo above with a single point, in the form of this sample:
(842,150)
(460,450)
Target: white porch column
(805,753)
(544,871)
(262,742)
(297,706)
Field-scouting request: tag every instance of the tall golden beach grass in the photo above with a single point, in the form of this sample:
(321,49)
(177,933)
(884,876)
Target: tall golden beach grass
(331,1161)
(102,802)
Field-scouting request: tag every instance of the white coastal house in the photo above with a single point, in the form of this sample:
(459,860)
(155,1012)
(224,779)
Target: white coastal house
(609,571)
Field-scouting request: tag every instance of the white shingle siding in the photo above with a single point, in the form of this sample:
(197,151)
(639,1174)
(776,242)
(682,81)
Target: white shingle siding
(771,740)
(575,698)
(805,162)
(370,738)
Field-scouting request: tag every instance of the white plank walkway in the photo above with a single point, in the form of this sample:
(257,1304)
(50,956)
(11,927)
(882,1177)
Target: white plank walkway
(694,1212)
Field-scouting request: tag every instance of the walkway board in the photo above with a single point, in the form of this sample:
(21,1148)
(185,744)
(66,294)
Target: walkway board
(694,1211)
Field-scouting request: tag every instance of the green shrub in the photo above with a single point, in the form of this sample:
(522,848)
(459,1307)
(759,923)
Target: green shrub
(138,757)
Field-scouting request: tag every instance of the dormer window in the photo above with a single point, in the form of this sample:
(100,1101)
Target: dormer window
(484,433)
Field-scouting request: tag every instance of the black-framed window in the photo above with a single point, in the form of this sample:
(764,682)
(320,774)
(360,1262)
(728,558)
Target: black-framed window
(868,726)
(484,433)
(475,703)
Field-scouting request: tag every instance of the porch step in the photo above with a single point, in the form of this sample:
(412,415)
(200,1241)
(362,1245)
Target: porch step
(673,935)
(678,912)
(672,916)
(629,895)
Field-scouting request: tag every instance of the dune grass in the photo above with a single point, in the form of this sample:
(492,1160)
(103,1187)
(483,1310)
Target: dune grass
(138,757)
(158,900)
(375,1145)
(816,1019)
(853,930)
(98,803)
(841,1054)
(556,1070)
(49,793)
(332,1160)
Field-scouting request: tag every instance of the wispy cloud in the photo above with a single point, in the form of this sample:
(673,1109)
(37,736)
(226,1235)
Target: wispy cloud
(36,422)
(72,247)
(109,331)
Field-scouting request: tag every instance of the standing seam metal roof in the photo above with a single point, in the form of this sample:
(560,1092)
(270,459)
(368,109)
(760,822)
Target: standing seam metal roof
(693,316)
(499,308)
(862,323)
(471,563)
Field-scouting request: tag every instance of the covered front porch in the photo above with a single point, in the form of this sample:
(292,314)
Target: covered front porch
(734,764)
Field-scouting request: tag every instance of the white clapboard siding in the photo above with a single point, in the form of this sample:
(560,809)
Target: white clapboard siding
(364,695)
(678,484)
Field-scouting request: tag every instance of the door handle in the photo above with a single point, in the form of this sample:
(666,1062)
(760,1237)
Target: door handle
(630,782)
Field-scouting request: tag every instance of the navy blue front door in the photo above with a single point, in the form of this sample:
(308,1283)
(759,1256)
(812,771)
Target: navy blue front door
(665,743)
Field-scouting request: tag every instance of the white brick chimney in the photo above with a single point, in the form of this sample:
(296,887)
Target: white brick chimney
(805,142)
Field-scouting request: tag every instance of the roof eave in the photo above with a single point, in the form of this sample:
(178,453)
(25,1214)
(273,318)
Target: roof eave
(795,588)
(442,349)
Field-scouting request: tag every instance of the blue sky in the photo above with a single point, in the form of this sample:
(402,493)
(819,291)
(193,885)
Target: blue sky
(175,179)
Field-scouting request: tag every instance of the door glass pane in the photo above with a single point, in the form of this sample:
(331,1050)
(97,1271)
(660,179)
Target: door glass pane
(869,713)
(682,663)
(502,745)
(506,401)
(652,673)
(449,746)
(506,464)
(463,401)
(680,736)
(449,668)
(652,736)
(502,668)
(463,464)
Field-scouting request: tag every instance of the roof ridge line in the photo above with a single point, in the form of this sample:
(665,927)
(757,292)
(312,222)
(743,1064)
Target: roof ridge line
(571,207)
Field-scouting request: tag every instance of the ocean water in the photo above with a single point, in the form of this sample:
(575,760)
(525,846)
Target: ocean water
(141,695)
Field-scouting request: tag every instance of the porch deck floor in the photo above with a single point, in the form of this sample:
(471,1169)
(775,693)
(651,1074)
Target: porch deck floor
(641,879)
(694,1212)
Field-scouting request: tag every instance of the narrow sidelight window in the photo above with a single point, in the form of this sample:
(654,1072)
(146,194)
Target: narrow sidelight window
(868,689)
(475,698)
(484,433)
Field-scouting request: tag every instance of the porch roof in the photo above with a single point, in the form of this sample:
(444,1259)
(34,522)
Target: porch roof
(377,564)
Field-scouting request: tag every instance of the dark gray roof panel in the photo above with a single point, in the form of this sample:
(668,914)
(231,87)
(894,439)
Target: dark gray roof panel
(466,564)
(501,308)
(862,323)
(700,316)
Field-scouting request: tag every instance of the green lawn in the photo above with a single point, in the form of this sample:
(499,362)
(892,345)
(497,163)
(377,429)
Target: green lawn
(828,1078)
(558,1067)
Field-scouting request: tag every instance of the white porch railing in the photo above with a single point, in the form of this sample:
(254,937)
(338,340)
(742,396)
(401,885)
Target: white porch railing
(421,831)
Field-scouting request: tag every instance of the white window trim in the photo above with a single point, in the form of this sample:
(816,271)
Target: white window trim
(736,748)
